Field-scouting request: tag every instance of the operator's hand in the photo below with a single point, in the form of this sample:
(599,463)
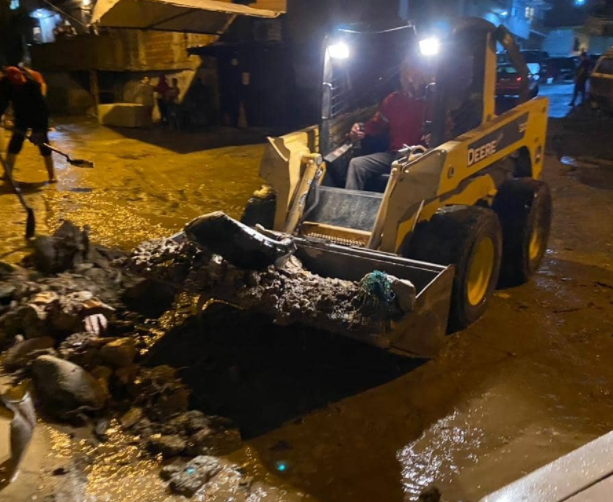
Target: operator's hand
(356,133)
(37,138)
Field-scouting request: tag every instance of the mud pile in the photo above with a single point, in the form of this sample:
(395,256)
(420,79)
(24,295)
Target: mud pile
(220,258)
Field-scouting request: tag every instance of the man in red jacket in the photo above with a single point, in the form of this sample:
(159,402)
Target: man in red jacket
(24,89)
(401,116)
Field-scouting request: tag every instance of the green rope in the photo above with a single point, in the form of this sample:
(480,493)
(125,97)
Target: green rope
(376,293)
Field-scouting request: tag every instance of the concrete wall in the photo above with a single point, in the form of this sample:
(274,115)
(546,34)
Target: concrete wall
(67,94)
(561,42)
(127,50)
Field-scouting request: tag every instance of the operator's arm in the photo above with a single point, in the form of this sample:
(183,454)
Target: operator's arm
(376,126)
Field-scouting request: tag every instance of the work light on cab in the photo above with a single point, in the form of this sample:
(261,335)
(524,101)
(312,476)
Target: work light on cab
(429,46)
(339,50)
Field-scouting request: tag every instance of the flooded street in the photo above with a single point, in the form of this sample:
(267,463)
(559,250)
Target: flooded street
(327,419)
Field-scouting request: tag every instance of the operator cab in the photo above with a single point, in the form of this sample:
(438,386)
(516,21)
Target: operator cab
(361,68)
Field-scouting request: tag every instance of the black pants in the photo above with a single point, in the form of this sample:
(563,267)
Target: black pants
(163,106)
(363,170)
(579,89)
(19,136)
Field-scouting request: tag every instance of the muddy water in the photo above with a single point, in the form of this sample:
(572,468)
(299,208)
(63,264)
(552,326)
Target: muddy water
(330,420)
(144,186)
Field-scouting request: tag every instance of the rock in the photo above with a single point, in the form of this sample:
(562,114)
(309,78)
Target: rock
(6,292)
(168,446)
(430,494)
(149,297)
(161,392)
(191,421)
(242,246)
(6,269)
(131,418)
(24,352)
(102,425)
(127,374)
(172,402)
(66,248)
(119,353)
(194,475)
(103,375)
(83,348)
(33,320)
(168,471)
(214,440)
(64,387)
(405,293)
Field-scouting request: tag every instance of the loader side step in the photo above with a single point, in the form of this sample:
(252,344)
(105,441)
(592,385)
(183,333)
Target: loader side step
(340,207)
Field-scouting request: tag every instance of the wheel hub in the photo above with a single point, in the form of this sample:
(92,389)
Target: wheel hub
(480,271)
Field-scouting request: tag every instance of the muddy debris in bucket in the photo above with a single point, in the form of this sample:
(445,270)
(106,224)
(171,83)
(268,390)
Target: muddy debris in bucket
(289,294)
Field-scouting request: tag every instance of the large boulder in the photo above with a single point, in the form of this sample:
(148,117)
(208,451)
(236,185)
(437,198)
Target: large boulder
(64,387)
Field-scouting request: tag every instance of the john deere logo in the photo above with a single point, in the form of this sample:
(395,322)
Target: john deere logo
(497,140)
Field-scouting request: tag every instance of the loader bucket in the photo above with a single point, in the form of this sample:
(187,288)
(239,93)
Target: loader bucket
(421,332)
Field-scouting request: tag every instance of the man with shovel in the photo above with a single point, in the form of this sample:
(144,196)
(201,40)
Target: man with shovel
(23,89)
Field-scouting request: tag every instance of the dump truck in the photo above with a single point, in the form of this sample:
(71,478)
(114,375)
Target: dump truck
(456,218)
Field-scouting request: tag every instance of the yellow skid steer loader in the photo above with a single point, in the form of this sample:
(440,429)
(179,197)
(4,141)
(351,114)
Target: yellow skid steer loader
(454,218)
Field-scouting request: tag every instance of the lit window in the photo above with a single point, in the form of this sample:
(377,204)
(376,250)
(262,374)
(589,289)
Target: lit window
(529,13)
(14,5)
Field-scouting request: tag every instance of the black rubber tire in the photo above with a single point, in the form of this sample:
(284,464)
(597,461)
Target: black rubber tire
(452,237)
(260,208)
(523,207)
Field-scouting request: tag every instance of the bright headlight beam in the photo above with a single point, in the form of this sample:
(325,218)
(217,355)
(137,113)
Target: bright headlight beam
(339,50)
(429,46)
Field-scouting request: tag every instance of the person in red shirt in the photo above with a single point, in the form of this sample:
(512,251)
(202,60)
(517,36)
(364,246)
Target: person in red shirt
(401,116)
(25,90)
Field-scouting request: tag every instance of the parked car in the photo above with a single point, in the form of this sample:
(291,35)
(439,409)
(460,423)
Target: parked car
(530,57)
(509,82)
(601,82)
(537,57)
(561,68)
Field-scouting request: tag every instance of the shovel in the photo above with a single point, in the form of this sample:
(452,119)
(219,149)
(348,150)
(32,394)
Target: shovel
(31,222)
(73,162)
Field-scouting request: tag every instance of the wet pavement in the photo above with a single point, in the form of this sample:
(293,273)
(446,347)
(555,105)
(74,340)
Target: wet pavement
(334,421)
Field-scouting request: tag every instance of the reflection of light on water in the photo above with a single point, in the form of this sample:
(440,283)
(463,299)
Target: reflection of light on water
(116,470)
(439,455)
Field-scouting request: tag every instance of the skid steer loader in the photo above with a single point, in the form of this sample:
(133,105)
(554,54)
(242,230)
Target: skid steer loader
(454,218)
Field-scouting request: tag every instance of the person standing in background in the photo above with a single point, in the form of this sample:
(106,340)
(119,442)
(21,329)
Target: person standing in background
(145,95)
(172,102)
(582,73)
(161,91)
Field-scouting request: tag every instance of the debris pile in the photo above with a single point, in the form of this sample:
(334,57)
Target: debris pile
(72,321)
(275,283)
